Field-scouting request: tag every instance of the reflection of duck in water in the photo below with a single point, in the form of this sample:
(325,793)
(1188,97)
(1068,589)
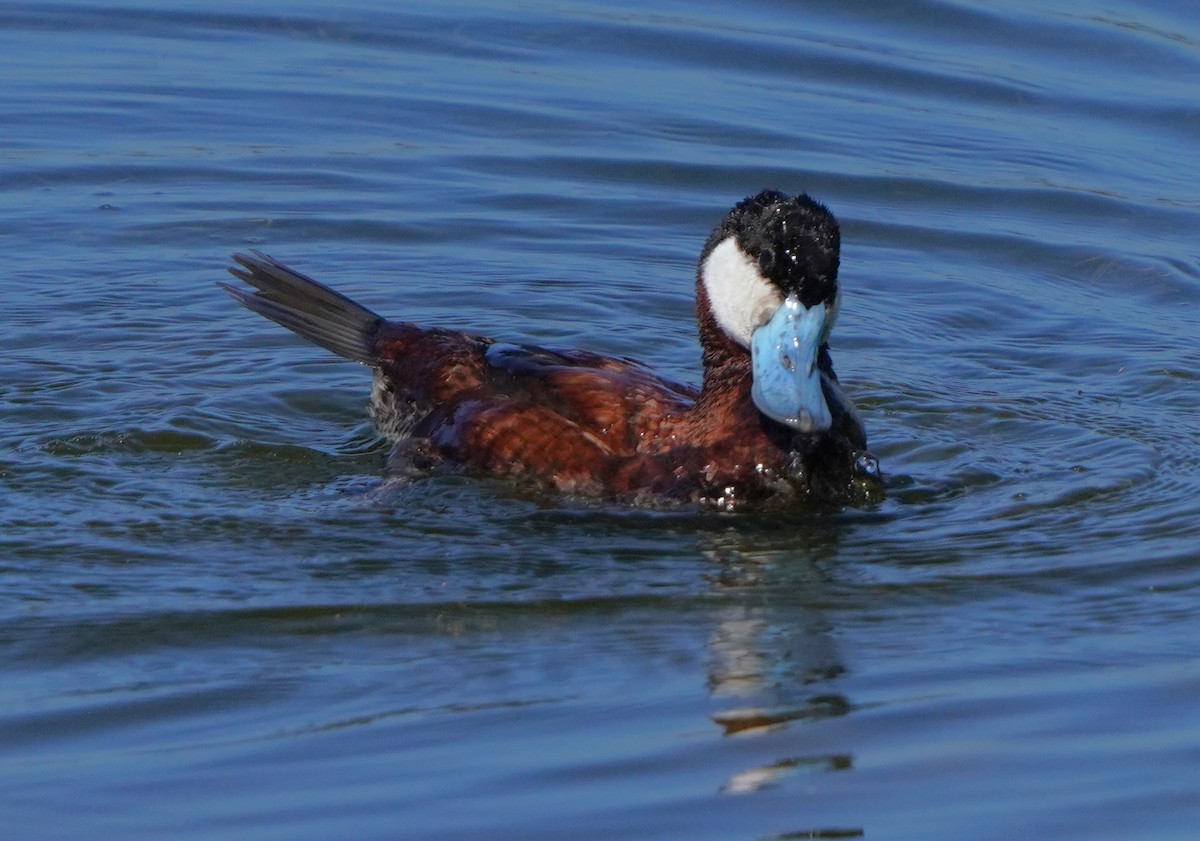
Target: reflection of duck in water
(770,425)
(773,659)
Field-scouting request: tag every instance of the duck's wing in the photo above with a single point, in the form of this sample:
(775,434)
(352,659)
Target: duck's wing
(306,307)
(611,399)
(567,365)
(614,399)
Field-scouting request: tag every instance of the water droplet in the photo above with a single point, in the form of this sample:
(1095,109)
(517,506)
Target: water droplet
(867,465)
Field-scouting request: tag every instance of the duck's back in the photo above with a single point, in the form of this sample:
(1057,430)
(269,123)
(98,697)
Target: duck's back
(568,417)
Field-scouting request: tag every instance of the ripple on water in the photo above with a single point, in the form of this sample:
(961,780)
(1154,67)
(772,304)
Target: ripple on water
(207,583)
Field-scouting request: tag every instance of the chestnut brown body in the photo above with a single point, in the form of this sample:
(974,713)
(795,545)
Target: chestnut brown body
(574,421)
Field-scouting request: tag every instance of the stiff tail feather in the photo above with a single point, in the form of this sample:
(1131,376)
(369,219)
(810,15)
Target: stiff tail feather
(306,307)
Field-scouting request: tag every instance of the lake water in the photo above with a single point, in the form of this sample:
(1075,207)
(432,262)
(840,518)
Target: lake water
(218,622)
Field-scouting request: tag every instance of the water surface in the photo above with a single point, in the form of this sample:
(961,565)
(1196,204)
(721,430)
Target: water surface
(218,621)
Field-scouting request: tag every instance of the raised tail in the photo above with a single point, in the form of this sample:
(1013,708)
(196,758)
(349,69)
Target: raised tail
(306,307)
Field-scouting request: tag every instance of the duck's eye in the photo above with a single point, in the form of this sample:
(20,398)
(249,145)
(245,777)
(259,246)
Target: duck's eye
(766,260)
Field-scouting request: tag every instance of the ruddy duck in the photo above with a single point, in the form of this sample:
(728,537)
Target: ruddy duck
(770,426)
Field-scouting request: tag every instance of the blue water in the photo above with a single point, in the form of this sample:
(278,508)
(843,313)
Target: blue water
(219,621)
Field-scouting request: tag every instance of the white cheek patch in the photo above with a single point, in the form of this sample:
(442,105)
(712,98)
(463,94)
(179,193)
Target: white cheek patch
(740,297)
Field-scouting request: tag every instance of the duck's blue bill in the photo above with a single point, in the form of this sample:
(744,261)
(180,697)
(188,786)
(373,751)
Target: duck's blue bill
(783,353)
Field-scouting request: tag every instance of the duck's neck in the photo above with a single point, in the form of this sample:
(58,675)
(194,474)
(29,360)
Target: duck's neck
(725,361)
(726,378)
(723,406)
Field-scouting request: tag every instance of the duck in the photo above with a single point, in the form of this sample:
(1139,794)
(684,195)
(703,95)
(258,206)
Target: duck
(769,427)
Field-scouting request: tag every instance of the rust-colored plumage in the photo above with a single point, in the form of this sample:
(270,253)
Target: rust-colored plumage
(575,421)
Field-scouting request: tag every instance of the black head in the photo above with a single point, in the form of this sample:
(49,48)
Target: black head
(768,248)
(793,241)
